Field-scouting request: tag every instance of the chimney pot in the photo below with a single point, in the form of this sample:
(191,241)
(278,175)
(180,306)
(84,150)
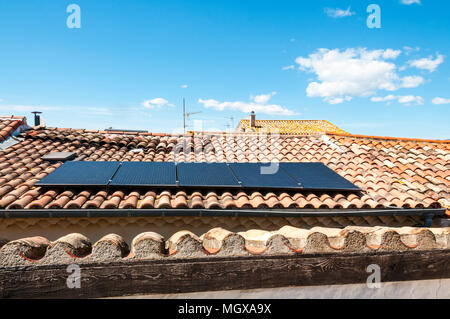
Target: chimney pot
(253,119)
(37,118)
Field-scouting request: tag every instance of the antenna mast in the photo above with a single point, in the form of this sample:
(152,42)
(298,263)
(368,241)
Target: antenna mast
(231,118)
(184,116)
(187,115)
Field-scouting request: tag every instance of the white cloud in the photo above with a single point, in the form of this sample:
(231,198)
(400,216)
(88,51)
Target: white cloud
(406,99)
(408,50)
(184,86)
(383,99)
(263,98)
(338,13)
(343,75)
(289,67)
(408,2)
(412,81)
(440,100)
(258,105)
(156,103)
(339,100)
(427,63)
(388,53)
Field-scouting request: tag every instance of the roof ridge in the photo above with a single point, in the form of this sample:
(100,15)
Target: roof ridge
(389,138)
(309,120)
(12,117)
(190,133)
(118,132)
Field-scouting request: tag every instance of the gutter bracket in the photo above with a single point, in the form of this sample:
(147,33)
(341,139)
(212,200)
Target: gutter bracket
(428,220)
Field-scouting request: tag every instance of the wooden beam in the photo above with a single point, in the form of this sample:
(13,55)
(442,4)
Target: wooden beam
(212,274)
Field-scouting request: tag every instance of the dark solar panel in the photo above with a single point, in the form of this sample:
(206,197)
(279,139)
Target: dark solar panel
(81,174)
(206,174)
(263,175)
(317,176)
(145,174)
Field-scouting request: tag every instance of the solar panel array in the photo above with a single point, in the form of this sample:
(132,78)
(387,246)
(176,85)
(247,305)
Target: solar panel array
(286,176)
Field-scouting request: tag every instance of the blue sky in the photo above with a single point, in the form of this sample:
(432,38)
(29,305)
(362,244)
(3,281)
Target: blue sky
(128,65)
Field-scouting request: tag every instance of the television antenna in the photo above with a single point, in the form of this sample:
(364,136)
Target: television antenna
(231,118)
(187,115)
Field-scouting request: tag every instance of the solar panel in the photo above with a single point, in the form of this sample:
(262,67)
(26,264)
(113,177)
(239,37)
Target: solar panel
(317,176)
(263,175)
(206,174)
(81,174)
(145,174)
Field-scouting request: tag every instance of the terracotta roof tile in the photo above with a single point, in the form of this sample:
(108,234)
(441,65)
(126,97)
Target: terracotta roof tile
(9,124)
(304,127)
(218,242)
(391,172)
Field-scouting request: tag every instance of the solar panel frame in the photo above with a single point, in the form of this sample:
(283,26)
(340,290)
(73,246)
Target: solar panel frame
(188,176)
(76,174)
(145,174)
(317,176)
(250,175)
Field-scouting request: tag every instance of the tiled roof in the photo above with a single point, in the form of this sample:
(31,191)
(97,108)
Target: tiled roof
(76,248)
(303,127)
(8,124)
(391,172)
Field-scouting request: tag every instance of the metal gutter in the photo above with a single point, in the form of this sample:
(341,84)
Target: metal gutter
(428,214)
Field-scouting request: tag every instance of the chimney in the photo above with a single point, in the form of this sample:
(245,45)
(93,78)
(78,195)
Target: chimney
(252,119)
(37,118)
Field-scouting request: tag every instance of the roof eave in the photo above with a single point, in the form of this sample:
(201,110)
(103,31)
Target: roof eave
(189,212)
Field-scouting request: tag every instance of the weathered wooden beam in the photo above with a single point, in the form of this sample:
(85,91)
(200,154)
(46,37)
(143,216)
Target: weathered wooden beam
(212,274)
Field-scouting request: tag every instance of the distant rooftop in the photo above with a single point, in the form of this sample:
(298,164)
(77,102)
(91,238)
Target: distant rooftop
(295,127)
